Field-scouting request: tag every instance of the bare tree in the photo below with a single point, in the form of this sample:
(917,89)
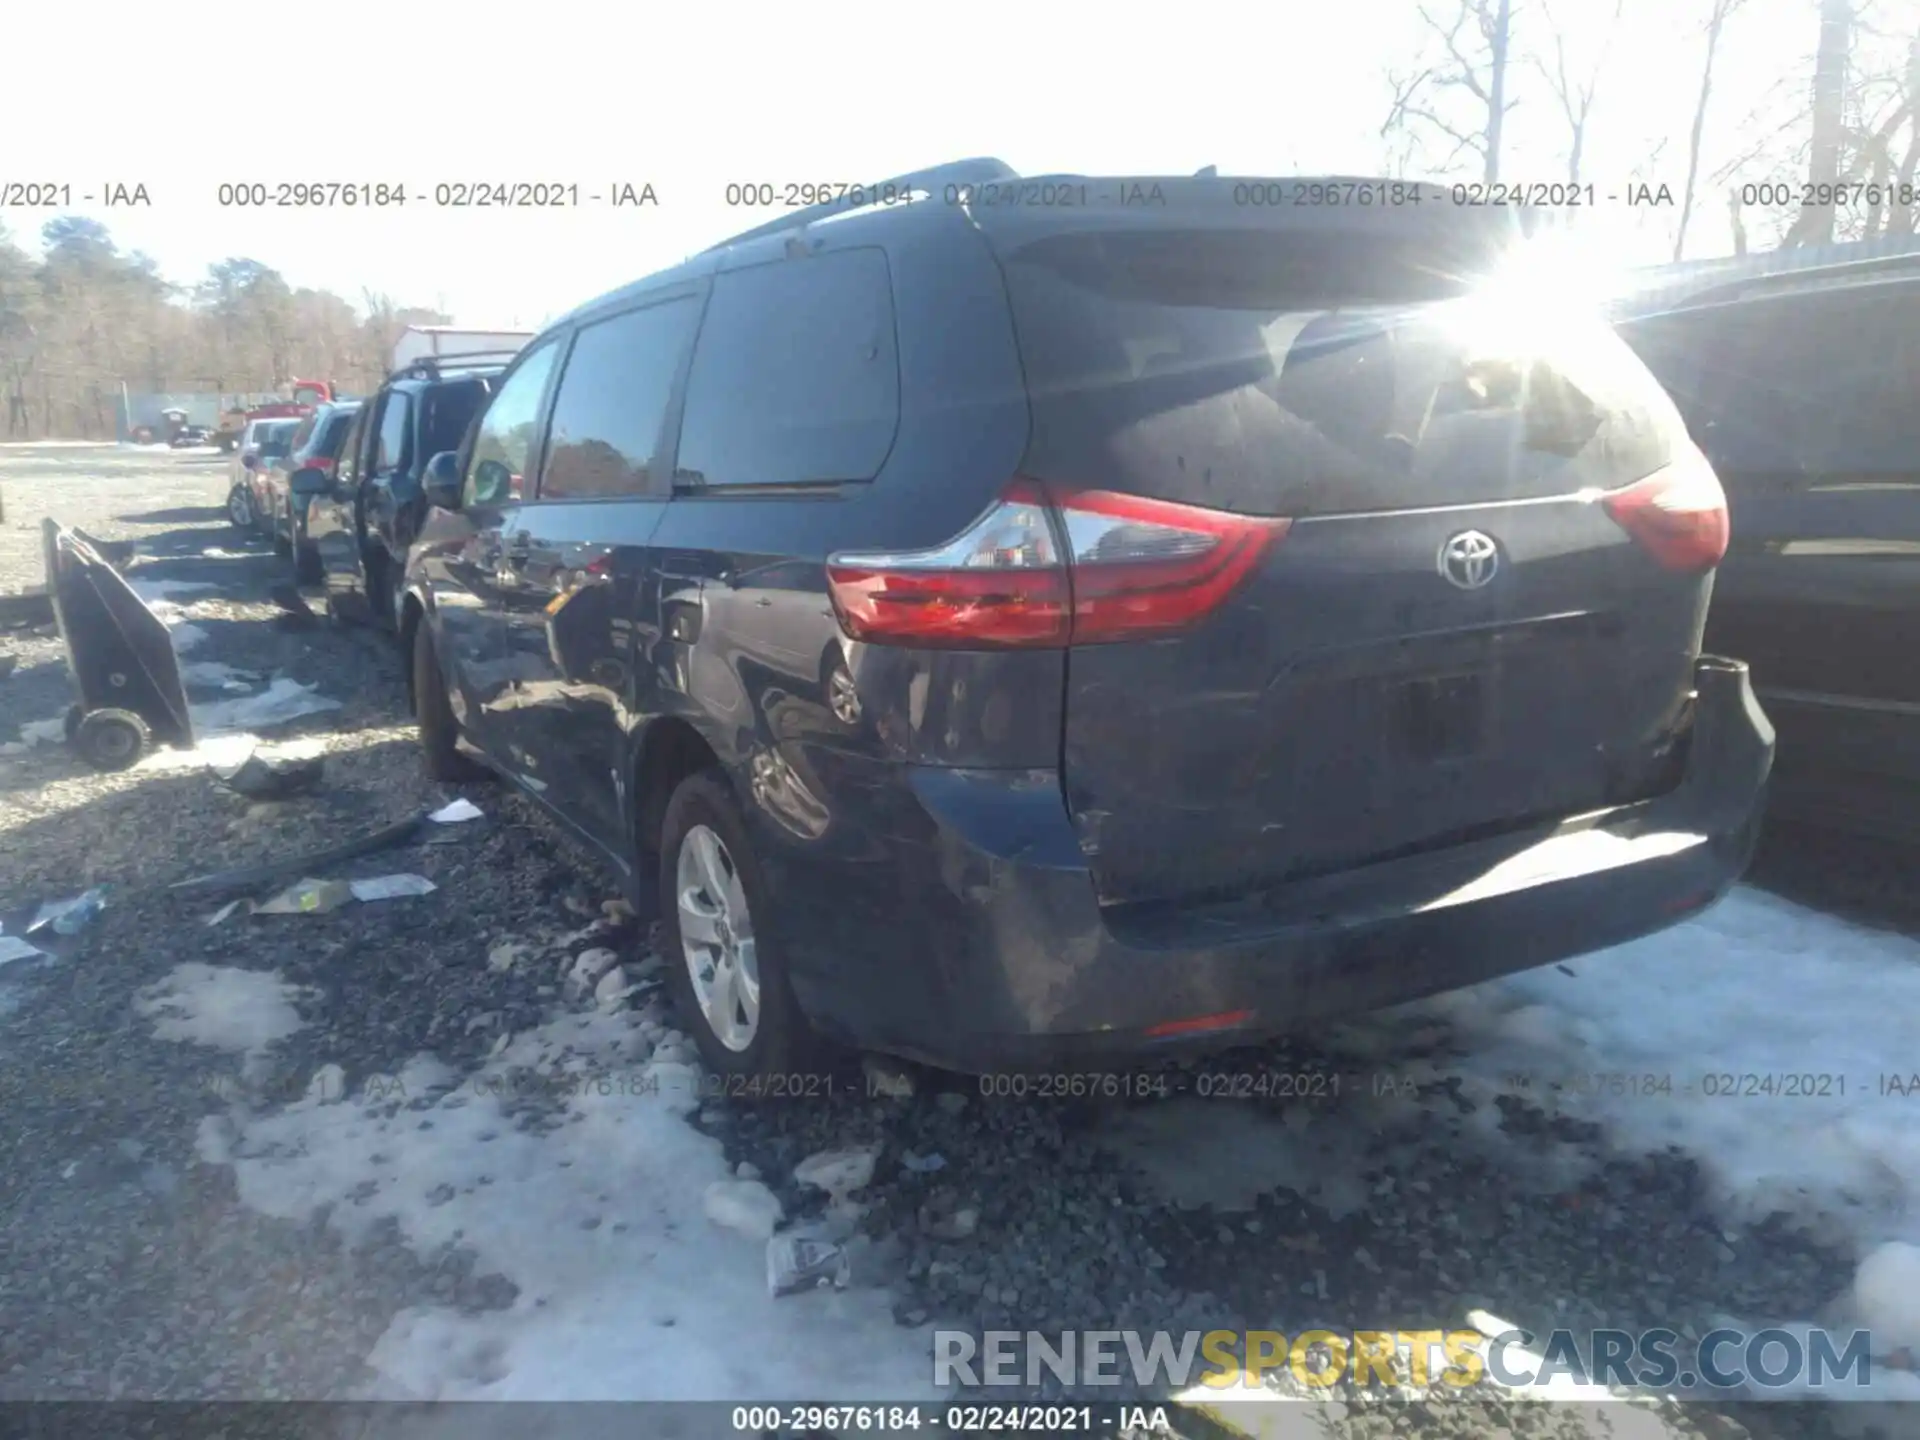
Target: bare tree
(1573,92)
(1717,18)
(1460,94)
(1814,224)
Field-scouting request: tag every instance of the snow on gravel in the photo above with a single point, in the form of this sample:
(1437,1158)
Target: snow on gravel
(1771,1043)
(222,1007)
(627,1289)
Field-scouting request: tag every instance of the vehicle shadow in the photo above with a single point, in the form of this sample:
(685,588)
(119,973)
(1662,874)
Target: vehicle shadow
(179,515)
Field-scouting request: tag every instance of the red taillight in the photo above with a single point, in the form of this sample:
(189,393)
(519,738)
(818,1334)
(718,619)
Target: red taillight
(1678,514)
(1082,567)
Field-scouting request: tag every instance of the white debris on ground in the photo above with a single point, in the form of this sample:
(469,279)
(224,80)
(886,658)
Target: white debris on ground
(1771,1043)
(242,1012)
(627,1289)
(746,1206)
(284,700)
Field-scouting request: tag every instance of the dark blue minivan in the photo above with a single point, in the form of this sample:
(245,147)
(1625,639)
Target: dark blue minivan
(1013,622)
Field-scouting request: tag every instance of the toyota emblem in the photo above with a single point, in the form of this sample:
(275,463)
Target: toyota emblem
(1469,560)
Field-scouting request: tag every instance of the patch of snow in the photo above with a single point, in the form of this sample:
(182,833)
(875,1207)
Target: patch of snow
(185,637)
(212,673)
(746,1206)
(1818,1011)
(45,732)
(626,1289)
(222,1007)
(285,699)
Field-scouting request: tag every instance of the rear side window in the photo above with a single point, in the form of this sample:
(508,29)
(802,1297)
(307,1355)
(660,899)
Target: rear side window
(795,377)
(391,447)
(1291,374)
(304,433)
(1824,383)
(612,402)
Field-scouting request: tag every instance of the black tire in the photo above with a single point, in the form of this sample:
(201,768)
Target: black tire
(439,731)
(781,1040)
(111,739)
(240,507)
(283,539)
(75,712)
(307,569)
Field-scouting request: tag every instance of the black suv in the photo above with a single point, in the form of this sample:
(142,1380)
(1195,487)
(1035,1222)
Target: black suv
(362,521)
(1002,632)
(1803,389)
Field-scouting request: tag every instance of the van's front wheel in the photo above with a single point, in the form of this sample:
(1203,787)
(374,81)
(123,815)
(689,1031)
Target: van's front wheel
(727,974)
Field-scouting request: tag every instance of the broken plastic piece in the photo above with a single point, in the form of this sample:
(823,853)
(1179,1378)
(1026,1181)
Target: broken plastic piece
(390,887)
(271,776)
(12,947)
(308,897)
(223,912)
(799,1262)
(385,838)
(456,811)
(69,916)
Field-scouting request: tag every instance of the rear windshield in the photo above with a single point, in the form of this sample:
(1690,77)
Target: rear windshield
(1295,374)
(304,435)
(274,439)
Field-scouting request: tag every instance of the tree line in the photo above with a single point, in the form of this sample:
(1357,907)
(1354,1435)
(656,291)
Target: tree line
(1843,118)
(82,318)
(1477,76)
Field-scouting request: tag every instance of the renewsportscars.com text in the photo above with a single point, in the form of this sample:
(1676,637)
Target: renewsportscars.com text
(1656,1360)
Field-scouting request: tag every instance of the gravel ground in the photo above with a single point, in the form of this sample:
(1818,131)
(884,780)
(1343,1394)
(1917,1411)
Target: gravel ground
(128,1268)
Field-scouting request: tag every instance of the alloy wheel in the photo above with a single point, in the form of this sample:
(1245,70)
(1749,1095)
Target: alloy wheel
(716,938)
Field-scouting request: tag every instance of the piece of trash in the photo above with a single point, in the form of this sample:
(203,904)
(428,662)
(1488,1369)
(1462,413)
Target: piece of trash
(271,775)
(746,1206)
(887,1077)
(943,1217)
(385,838)
(923,1164)
(12,947)
(797,1263)
(455,811)
(391,887)
(224,912)
(838,1172)
(308,897)
(72,915)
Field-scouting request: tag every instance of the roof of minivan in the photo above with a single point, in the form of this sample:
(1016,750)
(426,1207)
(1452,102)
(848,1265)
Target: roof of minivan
(866,224)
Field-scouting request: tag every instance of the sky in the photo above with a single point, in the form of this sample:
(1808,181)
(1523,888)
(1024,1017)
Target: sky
(693,98)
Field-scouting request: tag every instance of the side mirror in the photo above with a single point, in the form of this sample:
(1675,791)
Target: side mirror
(442,481)
(492,482)
(310,480)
